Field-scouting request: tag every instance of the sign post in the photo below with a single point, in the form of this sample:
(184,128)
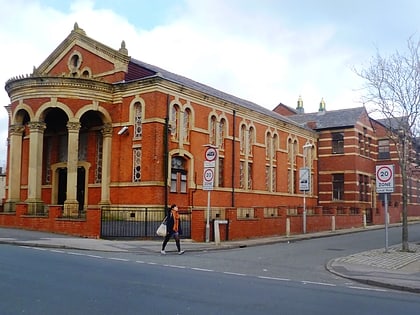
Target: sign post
(304,184)
(385,184)
(208,181)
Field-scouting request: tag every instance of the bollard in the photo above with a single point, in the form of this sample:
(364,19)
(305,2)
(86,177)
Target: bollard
(288,227)
(333,223)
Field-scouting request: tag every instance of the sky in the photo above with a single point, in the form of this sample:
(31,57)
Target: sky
(264,51)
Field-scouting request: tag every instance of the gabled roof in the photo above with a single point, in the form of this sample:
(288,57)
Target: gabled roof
(330,119)
(138,70)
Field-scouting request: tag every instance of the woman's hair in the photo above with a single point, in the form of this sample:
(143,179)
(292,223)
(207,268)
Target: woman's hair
(173,206)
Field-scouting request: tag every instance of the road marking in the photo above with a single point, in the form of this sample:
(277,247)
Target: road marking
(318,283)
(367,289)
(118,259)
(202,269)
(75,254)
(57,251)
(346,285)
(175,266)
(273,278)
(95,256)
(30,247)
(235,274)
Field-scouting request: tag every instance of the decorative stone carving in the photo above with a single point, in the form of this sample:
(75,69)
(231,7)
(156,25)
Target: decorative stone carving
(107,130)
(16,130)
(37,126)
(73,126)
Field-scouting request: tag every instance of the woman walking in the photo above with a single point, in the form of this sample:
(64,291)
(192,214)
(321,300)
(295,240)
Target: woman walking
(173,226)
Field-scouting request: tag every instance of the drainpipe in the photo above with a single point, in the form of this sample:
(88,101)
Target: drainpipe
(166,153)
(233,158)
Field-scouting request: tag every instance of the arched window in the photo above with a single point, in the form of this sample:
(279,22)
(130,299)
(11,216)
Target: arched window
(268,144)
(250,140)
(138,129)
(290,177)
(175,121)
(275,146)
(271,167)
(243,139)
(222,133)
(212,131)
(187,125)
(75,61)
(178,175)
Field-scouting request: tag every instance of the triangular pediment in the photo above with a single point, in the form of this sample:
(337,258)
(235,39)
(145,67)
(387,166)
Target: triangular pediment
(81,56)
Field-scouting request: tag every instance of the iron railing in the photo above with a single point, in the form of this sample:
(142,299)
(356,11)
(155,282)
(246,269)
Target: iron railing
(137,222)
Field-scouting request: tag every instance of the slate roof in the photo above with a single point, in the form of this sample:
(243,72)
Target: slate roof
(394,123)
(330,119)
(143,67)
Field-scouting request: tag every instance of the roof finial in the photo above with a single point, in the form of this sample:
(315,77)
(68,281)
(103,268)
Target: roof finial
(77,29)
(322,106)
(123,49)
(299,107)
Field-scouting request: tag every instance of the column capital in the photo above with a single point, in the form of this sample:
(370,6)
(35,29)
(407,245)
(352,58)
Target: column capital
(107,130)
(73,126)
(16,129)
(37,126)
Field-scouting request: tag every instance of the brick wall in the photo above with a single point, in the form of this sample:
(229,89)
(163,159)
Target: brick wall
(88,227)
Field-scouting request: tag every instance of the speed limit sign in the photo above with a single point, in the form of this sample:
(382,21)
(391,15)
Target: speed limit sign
(208,178)
(385,178)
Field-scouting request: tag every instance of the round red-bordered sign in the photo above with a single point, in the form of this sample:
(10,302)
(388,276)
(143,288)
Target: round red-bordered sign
(384,174)
(210,154)
(208,174)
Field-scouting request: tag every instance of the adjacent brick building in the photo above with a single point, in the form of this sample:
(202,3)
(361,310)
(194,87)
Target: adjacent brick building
(350,145)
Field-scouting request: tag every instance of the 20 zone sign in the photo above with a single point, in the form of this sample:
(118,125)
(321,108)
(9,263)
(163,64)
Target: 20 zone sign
(385,178)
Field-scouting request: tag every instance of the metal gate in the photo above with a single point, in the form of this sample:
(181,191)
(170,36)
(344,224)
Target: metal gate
(137,222)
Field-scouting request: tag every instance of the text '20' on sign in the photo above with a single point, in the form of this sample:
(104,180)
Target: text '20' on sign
(208,178)
(385,178)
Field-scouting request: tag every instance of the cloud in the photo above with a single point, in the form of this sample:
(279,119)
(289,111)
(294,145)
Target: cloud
(264,51)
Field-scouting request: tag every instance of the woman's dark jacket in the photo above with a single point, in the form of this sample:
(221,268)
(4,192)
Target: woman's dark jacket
(170,221)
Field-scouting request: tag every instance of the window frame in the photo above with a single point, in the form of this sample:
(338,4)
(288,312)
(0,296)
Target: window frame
(338,186)
(337,142)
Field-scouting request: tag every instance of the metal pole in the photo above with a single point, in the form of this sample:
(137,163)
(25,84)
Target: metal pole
(304,212)
(208,218)
(304,192)
(386,223)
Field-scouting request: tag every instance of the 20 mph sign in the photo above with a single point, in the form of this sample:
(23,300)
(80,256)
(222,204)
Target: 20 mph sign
(385,178)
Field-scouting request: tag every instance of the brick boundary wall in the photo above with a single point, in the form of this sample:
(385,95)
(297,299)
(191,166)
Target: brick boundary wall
(84,227)
(237,228)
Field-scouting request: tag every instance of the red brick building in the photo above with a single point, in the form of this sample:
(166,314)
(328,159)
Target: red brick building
(93,127)
(350,145)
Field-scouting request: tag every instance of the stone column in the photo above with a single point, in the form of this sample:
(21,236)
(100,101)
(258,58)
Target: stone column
(71,205)
(106,164)
(36,140)
(15,160)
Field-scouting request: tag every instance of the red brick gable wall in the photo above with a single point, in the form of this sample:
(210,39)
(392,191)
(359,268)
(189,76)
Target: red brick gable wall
(99,67)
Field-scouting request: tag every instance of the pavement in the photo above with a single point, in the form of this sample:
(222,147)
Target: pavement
(392,269)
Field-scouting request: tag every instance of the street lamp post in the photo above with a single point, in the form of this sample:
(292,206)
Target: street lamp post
(307,176)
